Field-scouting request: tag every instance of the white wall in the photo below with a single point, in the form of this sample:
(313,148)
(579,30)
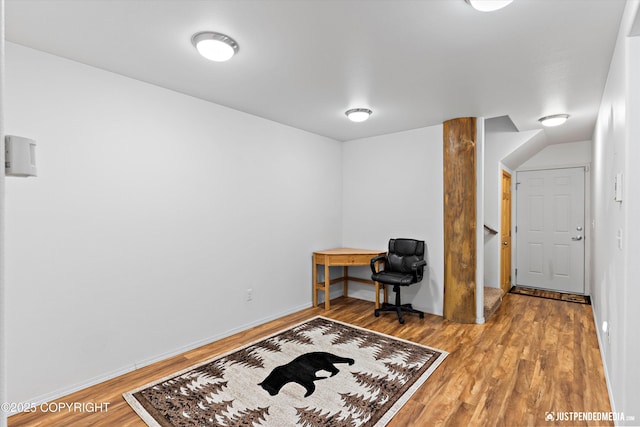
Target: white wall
(3,305)
(560,155)
(615,261)
(152,214)
(498,146)
(393,188)
(631,393)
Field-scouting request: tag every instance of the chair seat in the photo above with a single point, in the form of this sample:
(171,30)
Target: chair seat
(391,278)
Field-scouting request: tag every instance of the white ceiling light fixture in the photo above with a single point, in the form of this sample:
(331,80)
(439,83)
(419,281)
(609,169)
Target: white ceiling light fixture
(488,5)
(553,120)
(215,46)
(358,114)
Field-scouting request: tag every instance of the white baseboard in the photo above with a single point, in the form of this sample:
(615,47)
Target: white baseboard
(57,394)
(604,364)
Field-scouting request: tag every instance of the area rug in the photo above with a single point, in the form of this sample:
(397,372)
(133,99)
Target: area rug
(318,373)
(541,293)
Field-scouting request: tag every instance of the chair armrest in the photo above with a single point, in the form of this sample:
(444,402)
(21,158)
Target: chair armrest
(416,266)
(374,261)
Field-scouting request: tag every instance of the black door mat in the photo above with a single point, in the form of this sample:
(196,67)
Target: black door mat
(542,293)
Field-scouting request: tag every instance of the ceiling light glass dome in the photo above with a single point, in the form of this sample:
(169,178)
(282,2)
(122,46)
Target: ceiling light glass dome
(215,46)
(488,5)
(554,120)
(358,114)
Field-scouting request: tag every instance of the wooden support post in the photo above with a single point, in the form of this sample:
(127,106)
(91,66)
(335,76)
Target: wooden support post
(459,156)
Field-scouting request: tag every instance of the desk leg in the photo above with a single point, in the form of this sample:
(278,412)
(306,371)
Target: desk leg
(384,291)
(315,282)
(384,288)
(346,281)
(327,286)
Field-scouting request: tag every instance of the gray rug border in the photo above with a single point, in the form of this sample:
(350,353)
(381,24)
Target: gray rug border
(384,420)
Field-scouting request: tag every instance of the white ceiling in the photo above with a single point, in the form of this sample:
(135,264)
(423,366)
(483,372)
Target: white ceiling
(305,62)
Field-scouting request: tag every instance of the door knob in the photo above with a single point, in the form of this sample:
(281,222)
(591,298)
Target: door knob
(576,238)
(505,243)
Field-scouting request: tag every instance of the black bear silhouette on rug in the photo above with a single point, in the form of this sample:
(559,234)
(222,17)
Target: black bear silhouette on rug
(302,370)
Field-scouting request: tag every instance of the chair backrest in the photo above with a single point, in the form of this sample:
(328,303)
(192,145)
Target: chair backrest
(403,253)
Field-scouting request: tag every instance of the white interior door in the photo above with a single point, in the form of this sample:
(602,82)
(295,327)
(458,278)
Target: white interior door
(550,229)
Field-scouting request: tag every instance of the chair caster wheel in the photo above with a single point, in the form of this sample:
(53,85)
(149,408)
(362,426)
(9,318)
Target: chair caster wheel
(376,313)
(402,321)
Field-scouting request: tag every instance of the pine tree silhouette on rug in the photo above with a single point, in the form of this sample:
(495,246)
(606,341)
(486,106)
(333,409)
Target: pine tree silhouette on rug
(315,418)
(386,350)
(400,370)
(212,370)
(246,417)
(175,407)
(416,355)
(384,387)
(246,357)
(359,405)
(270,345)
(296,337)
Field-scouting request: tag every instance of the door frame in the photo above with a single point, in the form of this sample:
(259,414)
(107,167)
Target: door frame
(589,223)
(509,212)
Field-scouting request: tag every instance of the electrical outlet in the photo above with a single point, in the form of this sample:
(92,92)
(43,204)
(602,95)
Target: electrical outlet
(249,294)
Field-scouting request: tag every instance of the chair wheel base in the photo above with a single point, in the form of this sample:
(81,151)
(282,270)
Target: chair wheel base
(398,309)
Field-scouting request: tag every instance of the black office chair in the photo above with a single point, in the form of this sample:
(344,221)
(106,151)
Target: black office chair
(403,266)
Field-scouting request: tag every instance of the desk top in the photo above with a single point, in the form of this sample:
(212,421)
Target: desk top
(349,251)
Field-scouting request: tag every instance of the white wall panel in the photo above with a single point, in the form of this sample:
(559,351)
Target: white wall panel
(393,188)
(152,214)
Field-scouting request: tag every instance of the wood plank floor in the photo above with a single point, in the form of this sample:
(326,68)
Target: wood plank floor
(532,357)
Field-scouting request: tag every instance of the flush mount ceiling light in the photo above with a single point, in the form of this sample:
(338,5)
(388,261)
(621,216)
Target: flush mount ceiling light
(488,5)
(215,46)
(358,114)
(554,120)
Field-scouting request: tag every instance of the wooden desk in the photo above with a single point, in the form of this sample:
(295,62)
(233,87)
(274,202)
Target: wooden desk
(344,257)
